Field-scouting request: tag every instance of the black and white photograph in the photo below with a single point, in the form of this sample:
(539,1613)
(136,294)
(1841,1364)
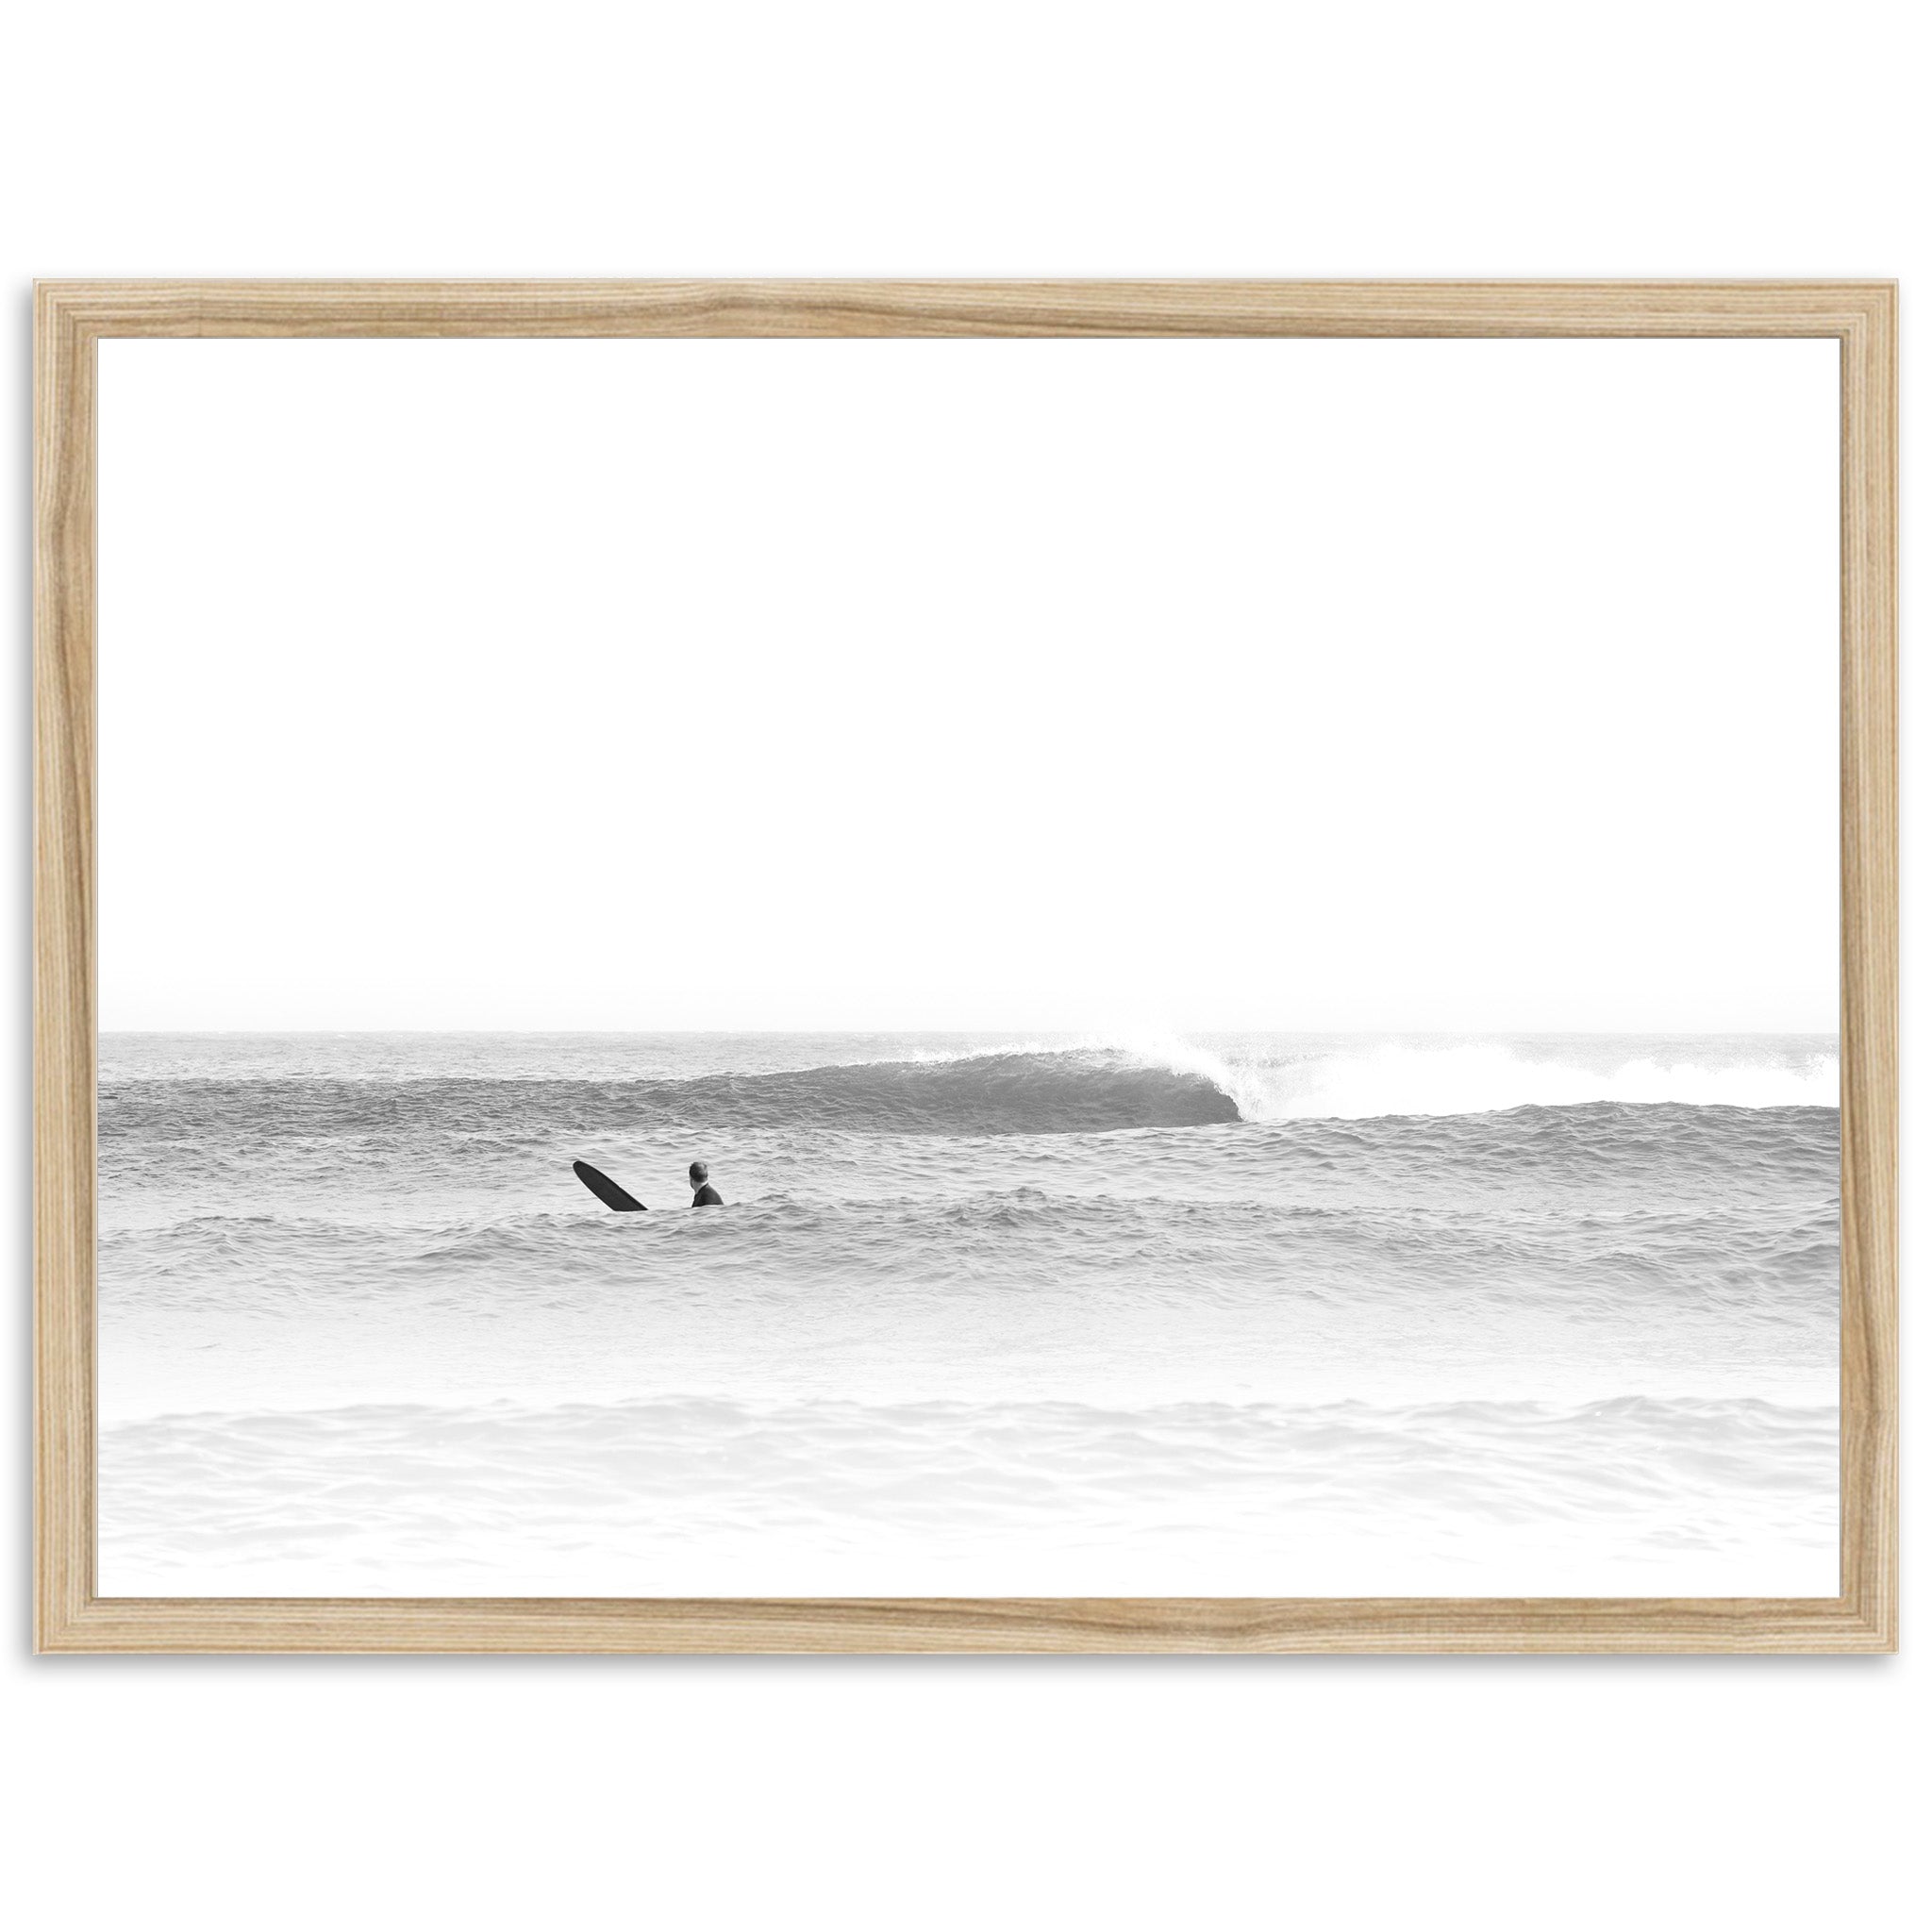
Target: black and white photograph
(970,967)
(951,968)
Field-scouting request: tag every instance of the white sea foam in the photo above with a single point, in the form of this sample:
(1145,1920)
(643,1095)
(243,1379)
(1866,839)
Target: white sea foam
(1400,1078)
(700,1497)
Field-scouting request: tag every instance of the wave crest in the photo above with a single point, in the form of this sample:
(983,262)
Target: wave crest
(1067,1091)
(1399,1078)
(1097,1086)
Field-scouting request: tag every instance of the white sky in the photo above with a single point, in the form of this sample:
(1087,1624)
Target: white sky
(1016,685)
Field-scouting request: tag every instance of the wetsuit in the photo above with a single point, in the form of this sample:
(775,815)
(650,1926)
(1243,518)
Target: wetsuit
(708,1196)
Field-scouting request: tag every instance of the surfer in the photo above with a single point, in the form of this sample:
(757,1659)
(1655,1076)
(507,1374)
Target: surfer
(703,1193)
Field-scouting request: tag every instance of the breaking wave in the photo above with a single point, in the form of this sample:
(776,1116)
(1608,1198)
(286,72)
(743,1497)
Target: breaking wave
(1401,1079)
(1092,1087)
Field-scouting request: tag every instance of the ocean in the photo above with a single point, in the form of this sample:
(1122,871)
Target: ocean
(1264,1314)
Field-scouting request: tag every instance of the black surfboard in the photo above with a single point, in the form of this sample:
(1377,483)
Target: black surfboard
(607,1189)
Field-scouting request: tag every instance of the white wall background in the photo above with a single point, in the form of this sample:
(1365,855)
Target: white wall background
(1680,139)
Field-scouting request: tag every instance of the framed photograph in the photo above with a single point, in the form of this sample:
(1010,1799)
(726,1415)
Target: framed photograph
(950,966)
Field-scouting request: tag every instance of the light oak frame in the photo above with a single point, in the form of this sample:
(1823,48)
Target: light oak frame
(73,316)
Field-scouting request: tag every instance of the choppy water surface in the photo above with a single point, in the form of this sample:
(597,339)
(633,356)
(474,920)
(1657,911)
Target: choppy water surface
(1267,1314)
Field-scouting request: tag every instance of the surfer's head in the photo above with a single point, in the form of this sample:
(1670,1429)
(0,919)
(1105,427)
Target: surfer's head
(700,1174)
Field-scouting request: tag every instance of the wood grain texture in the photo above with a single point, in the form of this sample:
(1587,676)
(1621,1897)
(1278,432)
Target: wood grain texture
(1868,657)
(848,309)
(72,316)
(1134,1626)
(63,965)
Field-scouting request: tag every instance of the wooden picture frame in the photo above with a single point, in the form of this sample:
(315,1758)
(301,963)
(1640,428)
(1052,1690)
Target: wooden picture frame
(72,317)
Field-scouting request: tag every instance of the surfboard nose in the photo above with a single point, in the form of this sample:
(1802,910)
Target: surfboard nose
(607,1189)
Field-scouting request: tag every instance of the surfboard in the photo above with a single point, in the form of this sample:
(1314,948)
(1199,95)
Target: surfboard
(607,1189)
